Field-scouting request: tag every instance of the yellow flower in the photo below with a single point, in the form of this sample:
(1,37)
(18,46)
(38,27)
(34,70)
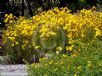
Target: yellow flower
(11,21)
(23,46)
(79,67)
(45,64)
(36,47)
(7,34)
(16,42)
(57,52)
(12,44)
(12,38)
(15,34)
(74,55)
(6,20)
(37,65)
(10,16)
(51,62)
(41,59)
(26,42)
(53,33)
(59,48)
(98,32)
(55,69)
(64,55)
(75,74)
(61,62)
(6,15)
(89,65)
(69,48)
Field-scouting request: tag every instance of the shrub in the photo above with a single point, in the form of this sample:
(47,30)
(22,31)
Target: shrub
(85,62)
(54,30)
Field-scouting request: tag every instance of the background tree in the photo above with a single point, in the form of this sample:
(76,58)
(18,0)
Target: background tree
(29,7)
(32,6)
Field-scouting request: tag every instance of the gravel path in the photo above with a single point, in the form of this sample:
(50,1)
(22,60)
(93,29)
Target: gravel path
(13,70)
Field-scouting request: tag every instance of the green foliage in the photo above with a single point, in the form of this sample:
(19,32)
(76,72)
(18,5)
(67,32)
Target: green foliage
(87,61)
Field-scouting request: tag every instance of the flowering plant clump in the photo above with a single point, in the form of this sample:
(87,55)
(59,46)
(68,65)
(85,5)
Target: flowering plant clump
(56,29)
(82,63)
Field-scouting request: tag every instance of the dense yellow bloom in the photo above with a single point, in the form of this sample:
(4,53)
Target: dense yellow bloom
(86,24)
